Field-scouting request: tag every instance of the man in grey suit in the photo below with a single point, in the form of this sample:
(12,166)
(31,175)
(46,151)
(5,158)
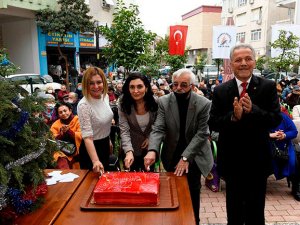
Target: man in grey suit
(181,125)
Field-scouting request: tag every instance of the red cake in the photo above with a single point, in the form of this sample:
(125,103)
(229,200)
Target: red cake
(127,188)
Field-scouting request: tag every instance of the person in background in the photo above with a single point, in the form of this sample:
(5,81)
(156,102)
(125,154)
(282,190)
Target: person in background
(73,100)
(181,124)
(162,87)
(73,73)
(160,93)
(283,83)
(294,97)
(62,92)
(66,128)
(50,109)
(209,85)
(197,91)
(279,91)
(287,91)
(220,77)
(118,91)
(50,91)
(80,75)
(243,111)
(137,112)
(155,91)
(66,98)
(282,136)
(78,91)
(296,112)
(111,95)
(214,85)
(203,88)
(95,117)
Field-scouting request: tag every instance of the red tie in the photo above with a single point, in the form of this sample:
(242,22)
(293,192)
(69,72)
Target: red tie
(244,91)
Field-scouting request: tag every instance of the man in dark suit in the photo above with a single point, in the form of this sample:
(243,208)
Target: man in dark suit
(243,111)
(181,124)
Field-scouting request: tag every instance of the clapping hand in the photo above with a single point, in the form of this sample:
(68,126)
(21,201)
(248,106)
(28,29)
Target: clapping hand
(246,103)
(237,109)
(64,129)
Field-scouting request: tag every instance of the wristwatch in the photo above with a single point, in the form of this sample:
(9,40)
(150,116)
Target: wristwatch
(184,159)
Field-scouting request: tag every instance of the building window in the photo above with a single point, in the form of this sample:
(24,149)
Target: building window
(256,35)
(256,14)
(240,37)
(241,20)
(242,3)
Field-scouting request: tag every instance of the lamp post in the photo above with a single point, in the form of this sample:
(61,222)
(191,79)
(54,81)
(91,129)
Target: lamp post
(31,84)
(97,42)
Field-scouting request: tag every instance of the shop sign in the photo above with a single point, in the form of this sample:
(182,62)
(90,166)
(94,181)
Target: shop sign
(86,40)
(53,38)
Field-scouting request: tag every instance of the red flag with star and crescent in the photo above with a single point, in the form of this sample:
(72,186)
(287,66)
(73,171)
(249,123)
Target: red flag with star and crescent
(177,39)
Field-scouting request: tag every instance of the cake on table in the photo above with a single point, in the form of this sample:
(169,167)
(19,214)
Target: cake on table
(127,188)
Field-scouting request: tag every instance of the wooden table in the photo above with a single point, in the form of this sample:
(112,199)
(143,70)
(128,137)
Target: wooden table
(72,214)
(56,199)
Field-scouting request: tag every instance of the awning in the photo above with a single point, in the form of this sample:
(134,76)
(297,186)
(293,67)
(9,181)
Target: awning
(110,2)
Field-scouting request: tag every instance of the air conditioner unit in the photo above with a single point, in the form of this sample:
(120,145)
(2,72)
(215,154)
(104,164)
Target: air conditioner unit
(258,21)
(105,5)
(251,1)
(230,9)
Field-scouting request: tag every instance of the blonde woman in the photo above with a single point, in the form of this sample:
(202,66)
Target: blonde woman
(95,117)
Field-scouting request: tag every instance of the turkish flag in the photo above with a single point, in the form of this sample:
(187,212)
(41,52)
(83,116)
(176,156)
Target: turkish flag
(177,39)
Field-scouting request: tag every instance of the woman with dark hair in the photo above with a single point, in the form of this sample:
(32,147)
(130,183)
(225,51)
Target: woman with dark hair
(95,116)
(137,113)
(67,129)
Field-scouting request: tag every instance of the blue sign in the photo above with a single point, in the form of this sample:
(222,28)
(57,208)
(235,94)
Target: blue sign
(52,39)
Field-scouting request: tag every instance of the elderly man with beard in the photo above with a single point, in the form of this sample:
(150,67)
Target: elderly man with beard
(181,124)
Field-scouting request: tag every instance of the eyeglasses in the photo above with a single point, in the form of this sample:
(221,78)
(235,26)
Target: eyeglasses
(182,85)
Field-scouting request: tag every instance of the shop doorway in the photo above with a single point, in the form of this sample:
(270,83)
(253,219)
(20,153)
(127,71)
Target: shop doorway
(56,64)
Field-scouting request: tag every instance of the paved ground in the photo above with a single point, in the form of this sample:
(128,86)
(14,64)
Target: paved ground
(281,208)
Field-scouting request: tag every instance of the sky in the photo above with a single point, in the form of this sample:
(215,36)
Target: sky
(158,15)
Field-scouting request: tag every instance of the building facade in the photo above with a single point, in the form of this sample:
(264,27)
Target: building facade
(36,52)
(253,20)
(18,31)
(200,22)
(293,5)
